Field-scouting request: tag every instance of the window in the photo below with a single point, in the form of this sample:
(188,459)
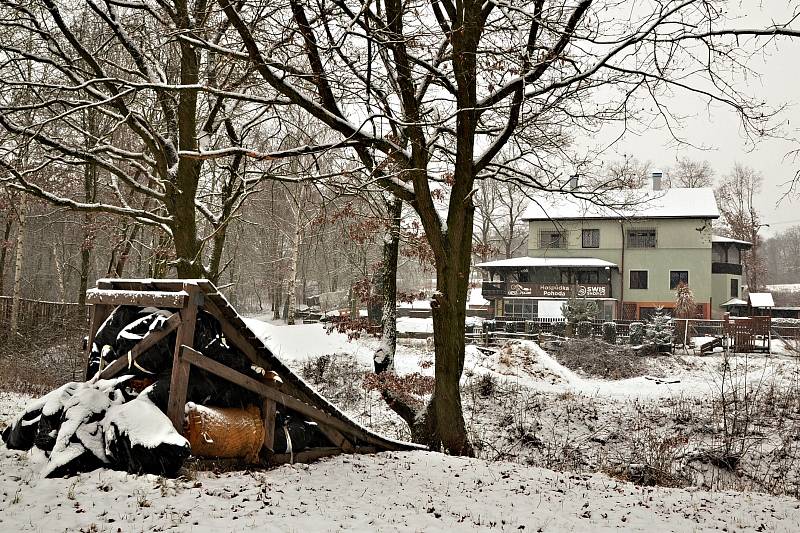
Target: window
(676,277)
(590,238)
(552,239)
(734,288)
(641,238)
(520,309)
(638,279)
(587,277)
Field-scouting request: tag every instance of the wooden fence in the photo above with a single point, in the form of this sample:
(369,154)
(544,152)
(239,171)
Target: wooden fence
(492,332)
(38,314)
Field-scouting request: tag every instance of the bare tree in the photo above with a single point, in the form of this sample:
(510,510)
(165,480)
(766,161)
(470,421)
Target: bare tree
(736,196)
(122,91)
(627,173)
(440,88)
(690,173)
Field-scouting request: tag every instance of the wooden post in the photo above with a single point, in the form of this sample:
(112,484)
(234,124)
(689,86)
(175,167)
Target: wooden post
(268,410)
(179,380)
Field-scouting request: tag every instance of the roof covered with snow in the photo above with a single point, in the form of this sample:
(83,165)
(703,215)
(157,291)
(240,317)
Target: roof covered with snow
(761,299)
(732,302)
(728,240)
(630,203)
(548,262)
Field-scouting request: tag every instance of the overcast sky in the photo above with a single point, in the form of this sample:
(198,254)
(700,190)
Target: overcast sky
(717,129)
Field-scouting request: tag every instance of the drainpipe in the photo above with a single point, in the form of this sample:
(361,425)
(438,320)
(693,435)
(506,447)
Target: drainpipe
(622,275)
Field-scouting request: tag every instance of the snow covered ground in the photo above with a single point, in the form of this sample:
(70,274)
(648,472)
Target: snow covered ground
(383,492)
(540,413)
(530,366)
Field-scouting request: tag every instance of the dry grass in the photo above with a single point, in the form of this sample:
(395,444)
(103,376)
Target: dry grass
(38,360)
(595,358)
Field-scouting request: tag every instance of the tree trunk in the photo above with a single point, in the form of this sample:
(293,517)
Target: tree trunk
(291,275)
(4,251)
(62,293)
(218,244)
(443,423)
(18,263)
(383,358)
(277,301)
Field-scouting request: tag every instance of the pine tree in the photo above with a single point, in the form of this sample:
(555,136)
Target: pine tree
(577,310)
(658,331)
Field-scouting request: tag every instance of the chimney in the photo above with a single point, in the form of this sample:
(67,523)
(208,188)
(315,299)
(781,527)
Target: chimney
(573,182)
(657,175)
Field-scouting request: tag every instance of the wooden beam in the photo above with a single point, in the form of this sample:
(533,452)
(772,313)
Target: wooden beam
(305,456)
(148,341)
(313,454)
(179,379)
(173,300)
(233,334)
(196,358)
(336,438)
(268,410)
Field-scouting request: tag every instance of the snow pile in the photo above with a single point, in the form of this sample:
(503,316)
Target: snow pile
(142,422)
(81,426)
(80,431)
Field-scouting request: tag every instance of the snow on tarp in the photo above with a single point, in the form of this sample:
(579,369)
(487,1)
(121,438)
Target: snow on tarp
(80,430)
(142,422)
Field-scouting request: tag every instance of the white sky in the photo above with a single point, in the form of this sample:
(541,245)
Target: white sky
(717,131)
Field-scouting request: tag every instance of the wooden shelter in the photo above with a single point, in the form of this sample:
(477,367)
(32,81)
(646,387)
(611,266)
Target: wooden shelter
(185,297)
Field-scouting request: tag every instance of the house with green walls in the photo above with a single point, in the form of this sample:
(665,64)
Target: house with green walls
(629,253)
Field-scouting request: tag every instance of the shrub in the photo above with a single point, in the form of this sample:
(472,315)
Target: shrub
(559,328)
(584,330)
(532,327)
(636,333)
(610,332)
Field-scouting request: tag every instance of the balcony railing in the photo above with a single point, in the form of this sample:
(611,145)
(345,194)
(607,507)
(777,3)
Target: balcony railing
(495,289)
(726,268)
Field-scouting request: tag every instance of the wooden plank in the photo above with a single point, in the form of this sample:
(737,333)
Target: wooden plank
(196,358)
(268,409)
(174,300)
(336,438)
(233,334)
(307,456)
(179,379)
(148,341)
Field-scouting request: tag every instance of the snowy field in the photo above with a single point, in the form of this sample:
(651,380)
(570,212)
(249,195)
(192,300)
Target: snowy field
(535,413)
(384,492)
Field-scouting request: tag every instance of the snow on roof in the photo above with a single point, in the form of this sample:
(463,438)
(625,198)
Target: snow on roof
(630,203)
(548,262)
(721,239)
(761,299)
(733,301)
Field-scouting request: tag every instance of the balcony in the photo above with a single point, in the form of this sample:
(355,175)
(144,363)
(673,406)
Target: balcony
(726,268)
(497,289)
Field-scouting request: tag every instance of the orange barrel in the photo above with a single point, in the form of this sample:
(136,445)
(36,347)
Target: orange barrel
(224,431)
